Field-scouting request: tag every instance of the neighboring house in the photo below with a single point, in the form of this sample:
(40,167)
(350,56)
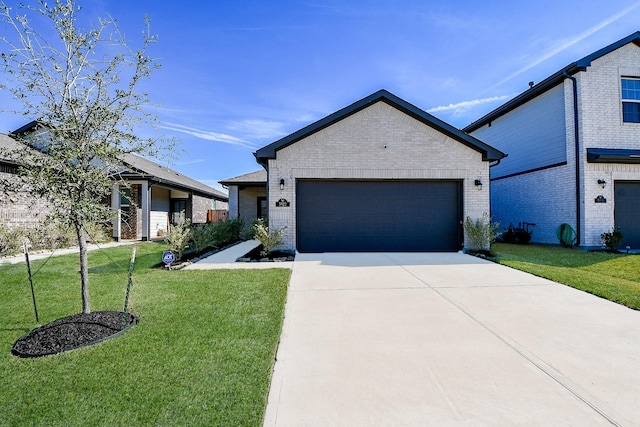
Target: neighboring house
(17,209)
(160,196)
(378,175)
(248,196)
(156,196)
(574,149)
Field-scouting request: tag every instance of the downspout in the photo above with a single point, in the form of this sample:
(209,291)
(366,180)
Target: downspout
(576,130)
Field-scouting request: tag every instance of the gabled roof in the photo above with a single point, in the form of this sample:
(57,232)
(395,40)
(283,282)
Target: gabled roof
(253,178)
(488,153)
(146,169)
(552,81)
(138,167)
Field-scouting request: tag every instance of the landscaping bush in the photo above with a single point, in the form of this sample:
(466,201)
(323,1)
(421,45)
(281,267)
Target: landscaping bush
(270,238)
(203,236)
(178,237)
(11,240)
(214,235)
(249,232)
(612,239)
(481,233)
(228,231)
(46,236)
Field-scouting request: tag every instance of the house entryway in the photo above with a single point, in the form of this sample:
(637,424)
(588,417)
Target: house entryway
(627,212)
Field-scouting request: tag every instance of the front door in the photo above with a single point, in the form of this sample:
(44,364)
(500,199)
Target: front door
(263,208)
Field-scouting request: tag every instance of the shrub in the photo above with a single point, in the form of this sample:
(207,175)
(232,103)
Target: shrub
(49,235)
(249,232)
(481,232)
(612,239)
(270,239)
(178,237)
(203,236)
(11,240)
(228,231)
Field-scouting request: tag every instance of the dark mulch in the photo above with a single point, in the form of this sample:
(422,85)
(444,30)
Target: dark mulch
(256,255)
(72,332)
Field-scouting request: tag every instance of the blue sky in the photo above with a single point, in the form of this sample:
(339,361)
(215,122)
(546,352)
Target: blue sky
(238,75)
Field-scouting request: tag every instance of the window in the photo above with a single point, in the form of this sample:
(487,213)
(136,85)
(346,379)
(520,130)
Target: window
(631,100)
(178,210)
(125,204)
(5,168)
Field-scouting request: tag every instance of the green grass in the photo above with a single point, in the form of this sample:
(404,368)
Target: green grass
(202,353)
(615,277)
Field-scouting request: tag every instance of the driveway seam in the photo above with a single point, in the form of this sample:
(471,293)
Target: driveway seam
(522,352)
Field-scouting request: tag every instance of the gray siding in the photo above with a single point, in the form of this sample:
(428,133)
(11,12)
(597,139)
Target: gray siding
(160,199)
(533,135)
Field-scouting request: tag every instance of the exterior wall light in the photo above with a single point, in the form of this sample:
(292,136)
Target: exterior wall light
(478,184)
(281,183)
(602,183)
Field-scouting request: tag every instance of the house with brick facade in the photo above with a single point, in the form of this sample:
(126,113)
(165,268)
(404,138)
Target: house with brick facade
(573,142)
(154,197)
(377,175)
(248,196)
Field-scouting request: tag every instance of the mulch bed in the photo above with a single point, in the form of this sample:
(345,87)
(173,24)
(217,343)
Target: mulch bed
(276,256)
(68,333)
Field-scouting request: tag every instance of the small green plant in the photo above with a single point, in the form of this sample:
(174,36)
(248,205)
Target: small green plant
(248,232)
(612,239)
(228,231)
(11,240)
(178,237)
(270,238)
(481,232)
(202,237)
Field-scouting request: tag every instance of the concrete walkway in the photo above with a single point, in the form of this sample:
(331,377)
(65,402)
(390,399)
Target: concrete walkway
(46,254)
(449,340)
(226,259)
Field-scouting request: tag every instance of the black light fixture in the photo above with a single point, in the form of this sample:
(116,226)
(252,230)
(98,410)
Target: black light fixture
(478,184)
(282,183)
(602,183)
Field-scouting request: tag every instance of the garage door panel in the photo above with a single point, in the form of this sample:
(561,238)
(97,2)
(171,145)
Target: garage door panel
(378,215)
(627,212)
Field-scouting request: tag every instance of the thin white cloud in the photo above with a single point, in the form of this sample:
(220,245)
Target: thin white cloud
(465,105)
(193,162)
(568,43)
(209,135)
(258,128)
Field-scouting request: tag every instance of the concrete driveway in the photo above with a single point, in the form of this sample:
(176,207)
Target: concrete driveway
(449,340)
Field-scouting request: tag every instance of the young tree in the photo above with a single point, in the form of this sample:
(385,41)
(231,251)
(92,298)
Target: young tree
(82,85)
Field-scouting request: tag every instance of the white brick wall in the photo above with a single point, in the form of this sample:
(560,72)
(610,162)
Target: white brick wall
(547,197)
(602,127)
(354,148)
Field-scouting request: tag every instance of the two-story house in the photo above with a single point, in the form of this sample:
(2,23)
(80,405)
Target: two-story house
(573,144)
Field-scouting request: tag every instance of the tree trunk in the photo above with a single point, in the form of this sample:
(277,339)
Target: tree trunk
(84,268)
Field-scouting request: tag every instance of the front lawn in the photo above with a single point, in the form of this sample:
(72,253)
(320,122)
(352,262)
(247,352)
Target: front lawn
(615,277)
(202,353)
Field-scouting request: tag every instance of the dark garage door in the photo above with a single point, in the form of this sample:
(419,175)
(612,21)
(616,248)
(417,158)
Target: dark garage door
(348,216)
(627,212)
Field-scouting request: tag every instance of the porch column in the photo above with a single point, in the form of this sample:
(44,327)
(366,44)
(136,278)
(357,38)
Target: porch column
(115,207)
(146,213)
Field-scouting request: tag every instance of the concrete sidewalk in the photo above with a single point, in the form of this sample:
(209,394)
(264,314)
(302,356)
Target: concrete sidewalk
(448,339)
(46,254)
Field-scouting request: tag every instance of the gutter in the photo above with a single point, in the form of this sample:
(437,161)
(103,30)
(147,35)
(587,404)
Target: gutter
(576,130)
